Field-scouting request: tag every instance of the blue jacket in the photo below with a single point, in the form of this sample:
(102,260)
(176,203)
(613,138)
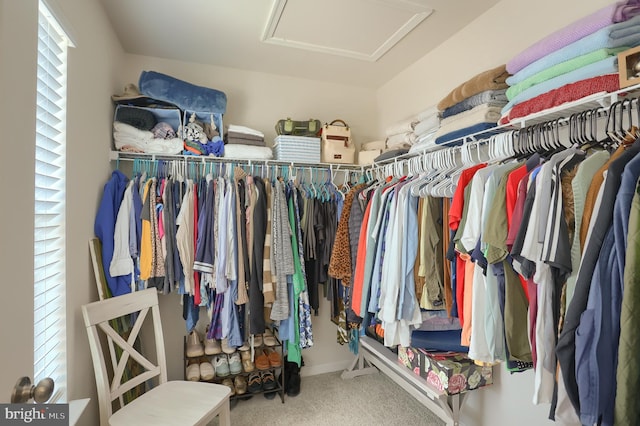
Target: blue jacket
(104,228)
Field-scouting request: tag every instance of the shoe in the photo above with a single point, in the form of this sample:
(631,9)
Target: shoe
(235,365)
(268,338)
(212,347)
(274,357)
(194,346)
(257,340)
(292,377)
(255,383)
(222,366)
(247,364)
(206,370)
(268,380)
(193,372)
(245,347)
(226,348)
(229,383)
(240,383)
(262,360)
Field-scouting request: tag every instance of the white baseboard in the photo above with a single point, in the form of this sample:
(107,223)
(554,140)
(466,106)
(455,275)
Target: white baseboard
(324,368)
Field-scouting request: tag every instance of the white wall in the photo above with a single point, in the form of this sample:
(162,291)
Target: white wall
(92,67)
(492,39)
(258,100)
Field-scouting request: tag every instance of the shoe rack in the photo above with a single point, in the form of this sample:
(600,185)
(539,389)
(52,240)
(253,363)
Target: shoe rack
(262,366)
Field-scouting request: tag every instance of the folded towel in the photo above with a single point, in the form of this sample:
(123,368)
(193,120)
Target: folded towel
(605,66)
(232,140)
(245,130)
(427,125)
(480,114)
(562,68)
(402,127)
(401,140)
(427,113)
(617,12)
(184,95)
(567,93)
(488,96)
(244,136)
(493,79)
(425,143)
(129,138)
(248,152)
(625,33)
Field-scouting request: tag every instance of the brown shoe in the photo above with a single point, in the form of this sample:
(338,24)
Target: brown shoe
(228,382)
(262,360)
(240,383)
(274,357)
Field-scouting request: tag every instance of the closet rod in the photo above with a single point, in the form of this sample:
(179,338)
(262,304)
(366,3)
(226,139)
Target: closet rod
(131,156)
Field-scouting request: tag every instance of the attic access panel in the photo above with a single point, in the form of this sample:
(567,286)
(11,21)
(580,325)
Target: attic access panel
(359,29)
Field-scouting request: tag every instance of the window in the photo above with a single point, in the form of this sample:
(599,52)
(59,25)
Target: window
(50,357)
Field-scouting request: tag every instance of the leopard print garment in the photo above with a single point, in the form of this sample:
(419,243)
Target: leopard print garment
(340,262)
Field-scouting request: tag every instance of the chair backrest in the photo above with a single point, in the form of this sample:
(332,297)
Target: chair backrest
(105,315)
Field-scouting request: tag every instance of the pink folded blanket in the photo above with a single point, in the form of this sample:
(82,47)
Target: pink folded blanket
(614,13)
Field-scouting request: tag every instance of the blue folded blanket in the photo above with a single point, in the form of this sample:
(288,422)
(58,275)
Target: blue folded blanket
(455,138)
(184,95)
(438,340)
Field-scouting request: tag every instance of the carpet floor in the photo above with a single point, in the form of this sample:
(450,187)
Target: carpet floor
(327,399)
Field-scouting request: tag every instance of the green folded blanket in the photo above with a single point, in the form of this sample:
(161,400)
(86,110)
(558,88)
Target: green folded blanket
(562,68)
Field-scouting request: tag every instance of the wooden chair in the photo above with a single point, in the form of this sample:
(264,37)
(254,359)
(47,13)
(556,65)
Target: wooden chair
(166,403)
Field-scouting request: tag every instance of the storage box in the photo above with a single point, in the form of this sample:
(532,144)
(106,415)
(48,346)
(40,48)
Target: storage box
(410,358)
(366,157)
(297,148)
(450,372)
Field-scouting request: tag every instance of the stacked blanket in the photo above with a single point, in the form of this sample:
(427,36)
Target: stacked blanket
(580,52)
(400,135)
(425,130)
(472,107)
(241,135)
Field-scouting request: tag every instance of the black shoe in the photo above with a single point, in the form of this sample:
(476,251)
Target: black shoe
(255,383)
(268,380)
(270,395)
(294,385)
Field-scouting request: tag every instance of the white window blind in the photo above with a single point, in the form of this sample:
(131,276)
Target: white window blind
(50,356)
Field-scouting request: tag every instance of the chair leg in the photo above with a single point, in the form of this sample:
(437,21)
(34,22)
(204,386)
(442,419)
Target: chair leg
(225,414)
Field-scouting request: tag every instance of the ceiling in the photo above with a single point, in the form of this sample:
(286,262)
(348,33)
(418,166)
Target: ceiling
(354,42)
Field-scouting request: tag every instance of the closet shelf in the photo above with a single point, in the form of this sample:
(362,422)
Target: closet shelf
(131,156)
(597,100)
(562,112)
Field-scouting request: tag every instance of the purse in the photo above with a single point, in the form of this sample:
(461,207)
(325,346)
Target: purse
(337,146)
(310,128)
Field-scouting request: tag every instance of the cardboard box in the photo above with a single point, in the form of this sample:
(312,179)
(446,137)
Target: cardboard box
(629,67)
(450,372)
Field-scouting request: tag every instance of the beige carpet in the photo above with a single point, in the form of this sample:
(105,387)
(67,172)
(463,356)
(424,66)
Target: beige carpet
(326,399)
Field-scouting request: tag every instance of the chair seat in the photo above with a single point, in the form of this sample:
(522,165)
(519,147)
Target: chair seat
(175,403)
